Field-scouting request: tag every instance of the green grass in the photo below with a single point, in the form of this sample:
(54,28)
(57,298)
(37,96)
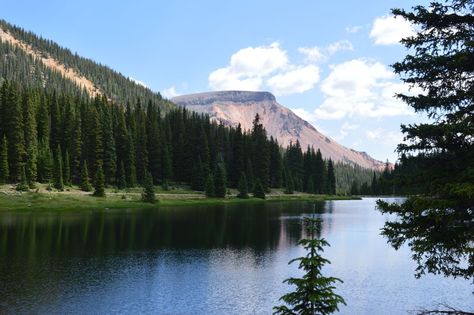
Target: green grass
(73,199)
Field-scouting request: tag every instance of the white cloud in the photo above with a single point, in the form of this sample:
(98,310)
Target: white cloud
(266,67)
(318,54)
(353,29)
(298,80)
(346,128)
(384,137)
(170,92)
(389,30)
(139,82)
(248,66)
(312,54)
(339,46)
(361,88)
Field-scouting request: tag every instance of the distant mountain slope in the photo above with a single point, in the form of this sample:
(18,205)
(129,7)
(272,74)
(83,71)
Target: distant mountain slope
(234,107)
(35,61)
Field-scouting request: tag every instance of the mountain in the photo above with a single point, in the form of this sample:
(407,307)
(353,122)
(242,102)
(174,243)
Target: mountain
(234,107)
(37,62)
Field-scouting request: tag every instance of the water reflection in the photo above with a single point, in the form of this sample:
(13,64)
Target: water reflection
(29,234)
(203,260)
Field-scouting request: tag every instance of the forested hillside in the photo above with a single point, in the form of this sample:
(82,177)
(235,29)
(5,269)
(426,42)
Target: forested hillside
(62,139)
(24,61)
(66,120)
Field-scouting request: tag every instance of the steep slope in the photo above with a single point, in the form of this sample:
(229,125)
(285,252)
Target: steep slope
(234,107)
(36,61)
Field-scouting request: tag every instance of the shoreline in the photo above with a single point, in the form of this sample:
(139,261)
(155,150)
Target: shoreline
(74,199)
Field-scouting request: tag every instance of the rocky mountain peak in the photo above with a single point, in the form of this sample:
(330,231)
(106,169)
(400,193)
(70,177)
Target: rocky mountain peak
(208,98)
(240,107)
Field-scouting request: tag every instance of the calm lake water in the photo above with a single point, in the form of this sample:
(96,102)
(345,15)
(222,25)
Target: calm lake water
(204,260)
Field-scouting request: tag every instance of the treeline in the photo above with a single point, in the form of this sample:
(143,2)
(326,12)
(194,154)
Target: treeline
(61,139)
(381,184)
(16,65)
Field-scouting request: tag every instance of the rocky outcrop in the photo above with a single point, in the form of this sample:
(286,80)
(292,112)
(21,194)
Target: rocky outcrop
(234,107)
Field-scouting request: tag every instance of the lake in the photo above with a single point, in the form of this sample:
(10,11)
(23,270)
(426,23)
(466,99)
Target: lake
(228,259)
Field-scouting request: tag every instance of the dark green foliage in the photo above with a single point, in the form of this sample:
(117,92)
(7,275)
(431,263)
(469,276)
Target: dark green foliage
(41,110)
(319,173)
(258,190)
(310,185)
(261,153)
(355,190)
(99,182)
(210,189)
(121,180)
(290,186)
(45,162)
(220,186)
(110,155)
(331,179)
(148,194)
(437,160)
(14,130)
(85,184)
(314,293)
(22,184)
(67,170)
(4,169)
(58,181)
(243,187)
(276,164)
(117,87)
(31,138)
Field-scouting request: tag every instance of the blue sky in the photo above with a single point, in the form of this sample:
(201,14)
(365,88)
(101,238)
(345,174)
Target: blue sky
(326,60)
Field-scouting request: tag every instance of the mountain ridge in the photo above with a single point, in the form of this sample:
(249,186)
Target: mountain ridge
(40,62)
(234,107)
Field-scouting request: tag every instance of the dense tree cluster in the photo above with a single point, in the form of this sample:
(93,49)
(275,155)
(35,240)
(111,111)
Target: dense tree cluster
(437,158)
(66,139)
(17,65)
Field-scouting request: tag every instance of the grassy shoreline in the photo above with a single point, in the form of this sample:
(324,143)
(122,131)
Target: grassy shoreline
(74,199)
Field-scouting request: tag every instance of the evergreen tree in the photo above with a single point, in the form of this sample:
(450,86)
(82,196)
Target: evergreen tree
(276,164)
(121,180)
(67,170)
(148,194)
(85,183)
(15,134)
(4,169)
(58,181)
(43,119)
(331,179)
(99,182)
(45,162)
(238,165)
(310,185)
(290,186)
(243,187)
(110,154)
(314,293)
(261,153)
(438,161)
(220,186)
(374,189)
(355,188)
(31,139)
(76,152)
(319,175)
(258,190)
(210,190)
(22,184)
(141,143)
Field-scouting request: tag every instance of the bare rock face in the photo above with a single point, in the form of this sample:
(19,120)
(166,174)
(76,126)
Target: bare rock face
(234,107)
